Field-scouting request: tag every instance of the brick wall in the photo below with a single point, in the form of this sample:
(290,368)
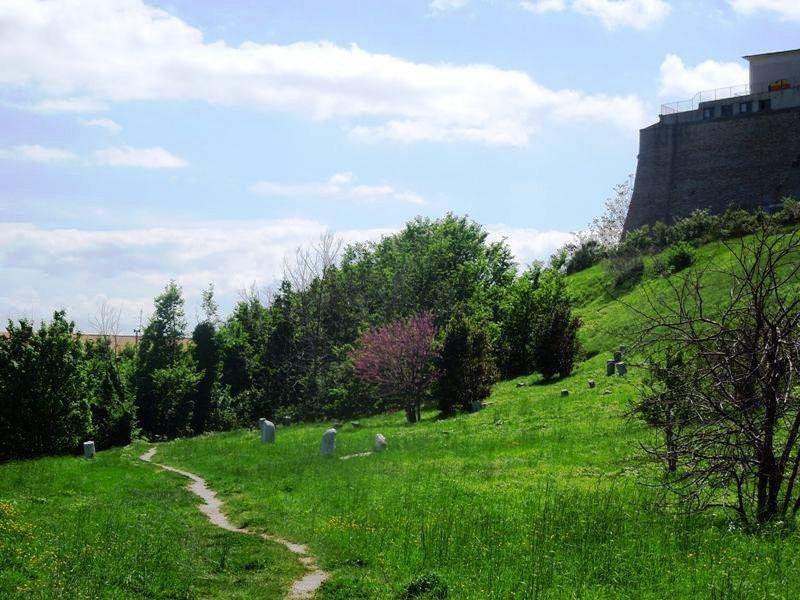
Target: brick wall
(741,161)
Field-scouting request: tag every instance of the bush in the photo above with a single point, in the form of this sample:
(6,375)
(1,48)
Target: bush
(626,270)
(700,226)
(466,363)
(584,255)
(678,257)
(429,585)
(556,344)
(43,392)
(738,223)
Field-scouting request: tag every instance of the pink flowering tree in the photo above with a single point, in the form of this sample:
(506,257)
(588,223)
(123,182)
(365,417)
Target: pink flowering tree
(398,359)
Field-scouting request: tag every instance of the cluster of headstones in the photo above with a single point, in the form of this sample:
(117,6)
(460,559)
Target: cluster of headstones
(617,364)
(328,438)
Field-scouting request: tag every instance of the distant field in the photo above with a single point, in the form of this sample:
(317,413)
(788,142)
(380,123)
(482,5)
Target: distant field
(536,496)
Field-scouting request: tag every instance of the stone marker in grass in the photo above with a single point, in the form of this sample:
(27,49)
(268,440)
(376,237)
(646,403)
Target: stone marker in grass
(622,368)
(564,393)
(88,449)
(592,384)
(617,356)
(611,365)
(328,442)
(380,442)
(476,405)
(267,431)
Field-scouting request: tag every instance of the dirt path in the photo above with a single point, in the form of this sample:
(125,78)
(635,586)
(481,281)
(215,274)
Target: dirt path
(305,587)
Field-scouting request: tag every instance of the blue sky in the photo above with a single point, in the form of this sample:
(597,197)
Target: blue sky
(204,141)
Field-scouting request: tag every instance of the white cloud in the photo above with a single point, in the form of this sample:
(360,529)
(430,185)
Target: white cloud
(785,9)
(528,244)
(37,153)
(340,186)
(144,158)
(543,6)
(68,105)
(125,50)
(678,80)
(638,14)
(104,123)
(446,5)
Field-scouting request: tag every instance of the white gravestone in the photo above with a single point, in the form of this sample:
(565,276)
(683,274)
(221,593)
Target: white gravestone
(380,442)
(622,368)
(328,442)
(88,449)
(267,431)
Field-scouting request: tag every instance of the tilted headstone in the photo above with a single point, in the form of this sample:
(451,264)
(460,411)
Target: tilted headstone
(564,393)
(328,442)
(617,356)
(622,368)
(88,449)
(380,442)
(267,431)
(611,366)
(592,384)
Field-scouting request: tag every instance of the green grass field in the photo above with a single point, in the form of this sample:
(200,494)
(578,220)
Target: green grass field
(536,496)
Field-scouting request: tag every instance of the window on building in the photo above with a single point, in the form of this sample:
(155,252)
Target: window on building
(745,107)
(727,110)
(708,113)
(765,104)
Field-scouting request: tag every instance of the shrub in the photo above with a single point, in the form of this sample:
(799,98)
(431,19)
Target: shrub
(556,344)
(789,213)
(678,257)
(429,585)
(700,226)
(738,223)
(584,255)
(626,270)
(466,363)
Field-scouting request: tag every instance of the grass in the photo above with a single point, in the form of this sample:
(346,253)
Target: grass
(117,528)
(536,496)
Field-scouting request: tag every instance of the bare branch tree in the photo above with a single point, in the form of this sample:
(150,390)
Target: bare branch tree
(607,228)
(105,320)
(730,407)
(311,262)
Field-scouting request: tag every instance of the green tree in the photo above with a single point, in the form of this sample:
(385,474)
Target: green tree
(207,356)
(43,393)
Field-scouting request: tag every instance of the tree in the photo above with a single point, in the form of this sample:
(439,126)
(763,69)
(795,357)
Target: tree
(106,320)
(607,228)
(160,350)
(466,363)
(206,353)
(398,359)
(43,393)
(739,450)
(556,341)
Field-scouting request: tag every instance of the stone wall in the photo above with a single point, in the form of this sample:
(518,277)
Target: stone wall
(740,161)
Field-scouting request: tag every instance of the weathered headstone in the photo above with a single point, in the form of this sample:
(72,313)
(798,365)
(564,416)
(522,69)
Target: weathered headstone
(380,442)
(476,405)
(328,442)
(338,425)
(611,365)
(622,368)
(564,393)
(592,384)
(287,420)
(355,424)
(617,356)
(88,449)
(267,431)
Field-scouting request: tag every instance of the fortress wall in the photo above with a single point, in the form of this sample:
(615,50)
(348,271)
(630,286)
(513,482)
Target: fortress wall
(741,161)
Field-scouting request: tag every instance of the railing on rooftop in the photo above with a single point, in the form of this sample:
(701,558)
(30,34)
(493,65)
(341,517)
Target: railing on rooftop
(722,94)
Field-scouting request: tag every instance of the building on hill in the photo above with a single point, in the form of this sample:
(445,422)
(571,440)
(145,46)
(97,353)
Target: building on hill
(731,147)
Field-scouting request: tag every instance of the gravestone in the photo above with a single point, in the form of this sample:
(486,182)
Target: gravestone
(380,442)
(287,421)
(328,442)
(622,369)
(591,384)
(355,424)
(267,431)
(564,393)
(476,405)
(617,356)
(611,365)
(88,449)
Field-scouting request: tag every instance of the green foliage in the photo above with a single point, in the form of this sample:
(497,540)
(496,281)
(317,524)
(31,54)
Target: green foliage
(175,387)
(678,257)
(466,363)
(428,585)
(43,391)
(556,346)
(583,255)
(626,271)
(112,403)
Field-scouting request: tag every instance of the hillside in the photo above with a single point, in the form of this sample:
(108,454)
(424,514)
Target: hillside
(537,495)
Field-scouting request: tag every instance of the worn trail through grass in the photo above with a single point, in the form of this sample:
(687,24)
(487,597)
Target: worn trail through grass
(305,587)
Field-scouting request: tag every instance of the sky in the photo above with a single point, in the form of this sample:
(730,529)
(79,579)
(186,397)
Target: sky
(204,141)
